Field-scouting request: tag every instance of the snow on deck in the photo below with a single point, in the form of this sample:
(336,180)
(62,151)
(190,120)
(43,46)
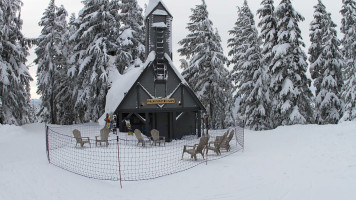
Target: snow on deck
(160,12)
(159,25)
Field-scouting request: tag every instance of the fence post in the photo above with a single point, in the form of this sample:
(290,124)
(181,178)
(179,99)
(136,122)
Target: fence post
(243,135)
(207,138)
(236,133)
(118,158)
(47,144)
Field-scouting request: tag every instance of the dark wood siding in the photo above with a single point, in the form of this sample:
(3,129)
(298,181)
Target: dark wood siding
(172,120)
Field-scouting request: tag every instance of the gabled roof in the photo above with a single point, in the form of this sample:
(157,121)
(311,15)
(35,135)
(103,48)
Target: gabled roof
(122,86)
(152,5)
(126,82)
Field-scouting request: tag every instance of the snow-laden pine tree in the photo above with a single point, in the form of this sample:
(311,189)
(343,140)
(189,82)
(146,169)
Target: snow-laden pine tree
(51,58)
(348,28)
(290,93)
(132,36)
(316,46)
(14,76)
(326,65)
(249,76)
(268,25)
(205,71)
(65,105)
(95,38)
(268,36)
(229,91)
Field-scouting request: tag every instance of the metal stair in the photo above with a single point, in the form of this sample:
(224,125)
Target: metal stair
(160,68)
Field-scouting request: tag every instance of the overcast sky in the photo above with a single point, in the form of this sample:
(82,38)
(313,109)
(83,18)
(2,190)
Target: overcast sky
(223,14)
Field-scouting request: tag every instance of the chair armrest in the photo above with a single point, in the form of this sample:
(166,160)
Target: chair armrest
(162,137)
(189,146)
(86,138)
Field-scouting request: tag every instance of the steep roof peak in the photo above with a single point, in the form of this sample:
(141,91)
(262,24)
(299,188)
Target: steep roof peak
(152,5)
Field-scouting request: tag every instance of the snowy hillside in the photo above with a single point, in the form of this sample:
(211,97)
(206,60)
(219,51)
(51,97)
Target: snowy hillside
(291,163)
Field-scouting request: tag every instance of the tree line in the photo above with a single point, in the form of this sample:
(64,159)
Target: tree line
(78,59)
(268,78)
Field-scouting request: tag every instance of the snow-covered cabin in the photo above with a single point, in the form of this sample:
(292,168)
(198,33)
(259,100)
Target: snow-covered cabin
(155,95)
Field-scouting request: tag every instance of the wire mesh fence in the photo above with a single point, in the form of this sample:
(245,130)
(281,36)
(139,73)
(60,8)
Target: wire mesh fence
(122,158)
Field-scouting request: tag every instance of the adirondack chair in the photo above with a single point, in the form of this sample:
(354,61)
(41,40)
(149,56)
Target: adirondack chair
(226,142)
(216,145)
(140,138)
(156,138)
(80,140)
(197,148)
(104,137)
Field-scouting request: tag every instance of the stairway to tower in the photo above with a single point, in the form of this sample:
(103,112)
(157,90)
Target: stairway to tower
(160,69)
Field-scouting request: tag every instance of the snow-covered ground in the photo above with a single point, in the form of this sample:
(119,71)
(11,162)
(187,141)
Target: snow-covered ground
(291,163)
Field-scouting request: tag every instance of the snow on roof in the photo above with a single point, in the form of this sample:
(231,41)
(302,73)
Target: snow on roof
(160,12)
(122,86)
(152,5)
(159,25)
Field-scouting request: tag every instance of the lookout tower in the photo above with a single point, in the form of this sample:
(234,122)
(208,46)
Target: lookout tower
(155,95)
(158,21)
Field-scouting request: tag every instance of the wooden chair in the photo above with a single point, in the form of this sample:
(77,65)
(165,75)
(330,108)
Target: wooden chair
(104,137)
(197,148)
(216,145)
(140,138)
(156,138)
(226,142)
(80,140)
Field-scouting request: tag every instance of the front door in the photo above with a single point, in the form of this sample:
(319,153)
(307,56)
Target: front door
(162,124)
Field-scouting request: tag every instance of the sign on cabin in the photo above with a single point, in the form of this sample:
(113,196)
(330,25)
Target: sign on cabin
(160,101)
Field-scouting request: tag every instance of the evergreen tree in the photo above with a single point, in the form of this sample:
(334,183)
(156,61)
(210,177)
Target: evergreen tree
(95,38)
(51,58)
(268,25)
(205,72)
(291,96)
(316,35)
(228,90)
(132,36)
(248,74)
(348,28)
(326,64)
(65,84)
(14,76)
(268,36)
